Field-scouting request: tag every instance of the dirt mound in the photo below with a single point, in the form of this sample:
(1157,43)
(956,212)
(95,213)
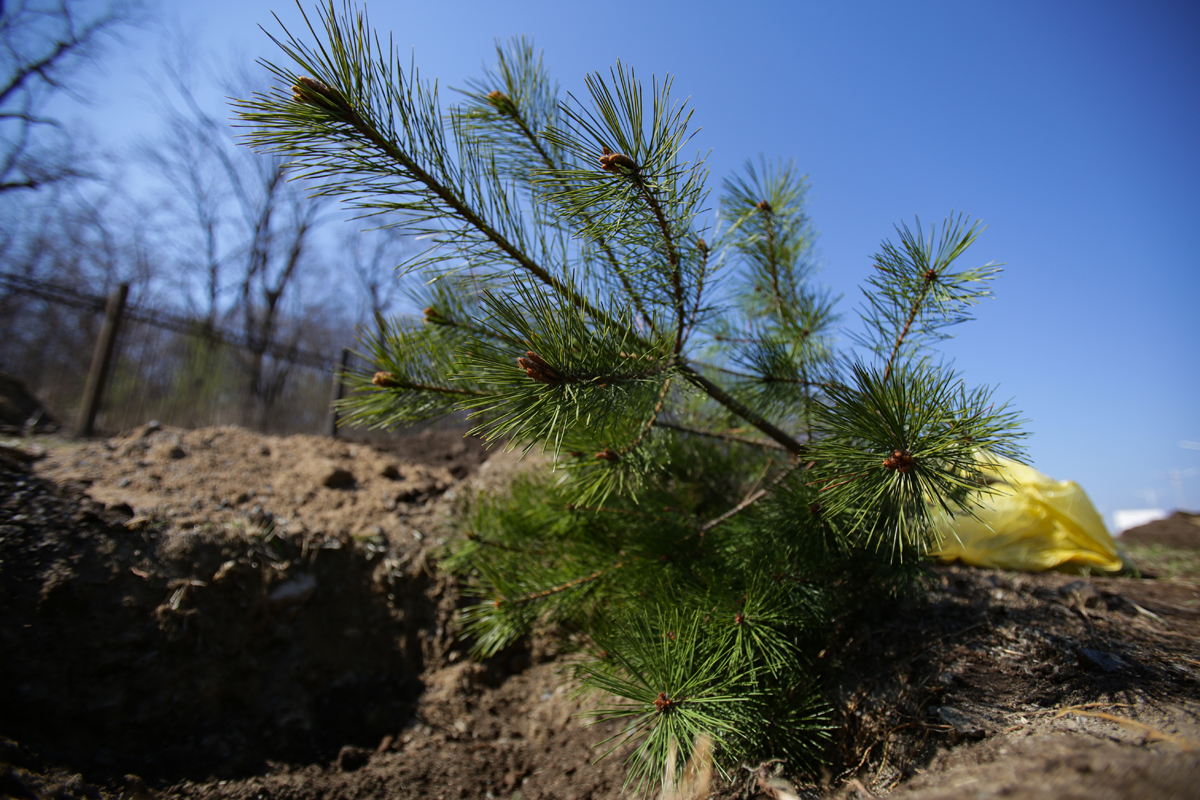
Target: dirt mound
(989,666)
(136,649)
(1180,530)
(220,614)
(257,652)
(295,484)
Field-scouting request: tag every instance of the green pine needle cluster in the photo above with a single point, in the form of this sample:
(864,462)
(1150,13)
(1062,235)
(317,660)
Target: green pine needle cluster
(728,480)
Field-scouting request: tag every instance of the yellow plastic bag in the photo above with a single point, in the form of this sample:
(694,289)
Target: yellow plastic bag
(1031,522)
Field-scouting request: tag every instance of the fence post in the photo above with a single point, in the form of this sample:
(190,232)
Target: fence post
(93,391)
(336,392)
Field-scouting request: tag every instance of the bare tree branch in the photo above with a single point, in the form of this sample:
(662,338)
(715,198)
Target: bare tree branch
(42,44)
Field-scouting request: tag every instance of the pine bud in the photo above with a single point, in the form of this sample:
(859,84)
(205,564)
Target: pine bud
(537,368)
(662,702)
(702,246)
(608,455)
(763,205)
(609,161)
(500,101)
(432,317)
(318,93)
(385,380)
(900,460)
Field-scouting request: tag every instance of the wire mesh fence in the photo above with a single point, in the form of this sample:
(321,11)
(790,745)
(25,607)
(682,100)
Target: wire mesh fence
(165,367)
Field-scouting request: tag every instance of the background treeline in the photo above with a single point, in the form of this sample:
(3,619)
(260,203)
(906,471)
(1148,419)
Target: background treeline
(199,226)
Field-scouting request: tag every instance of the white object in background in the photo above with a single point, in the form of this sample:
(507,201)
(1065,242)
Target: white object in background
(1132,517)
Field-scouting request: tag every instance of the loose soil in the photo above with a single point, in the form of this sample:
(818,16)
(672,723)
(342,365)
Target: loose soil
(220,614)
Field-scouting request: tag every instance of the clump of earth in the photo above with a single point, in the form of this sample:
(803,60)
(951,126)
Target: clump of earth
(222,614)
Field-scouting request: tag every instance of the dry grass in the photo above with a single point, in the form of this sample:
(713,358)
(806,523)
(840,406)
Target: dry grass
(1166,563)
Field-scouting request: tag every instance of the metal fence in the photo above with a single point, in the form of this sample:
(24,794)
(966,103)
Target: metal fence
(160,365)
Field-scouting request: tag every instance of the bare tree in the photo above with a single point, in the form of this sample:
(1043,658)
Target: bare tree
(43,43)
(77,245)
(248,238)
(281,220)
(373,257)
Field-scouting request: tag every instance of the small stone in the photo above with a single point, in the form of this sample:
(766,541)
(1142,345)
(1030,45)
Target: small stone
(1105,661)
(293,591)
(124,482)
(966,724)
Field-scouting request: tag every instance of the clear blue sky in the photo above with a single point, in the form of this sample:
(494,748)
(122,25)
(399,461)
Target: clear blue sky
(1071,128)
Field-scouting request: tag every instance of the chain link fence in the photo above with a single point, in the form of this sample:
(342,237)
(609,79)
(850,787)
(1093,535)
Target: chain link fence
(165,366)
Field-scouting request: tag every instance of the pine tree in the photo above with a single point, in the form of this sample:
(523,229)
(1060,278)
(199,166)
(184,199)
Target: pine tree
(726,482)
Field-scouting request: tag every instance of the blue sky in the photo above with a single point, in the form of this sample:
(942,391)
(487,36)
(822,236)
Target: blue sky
(1072,129)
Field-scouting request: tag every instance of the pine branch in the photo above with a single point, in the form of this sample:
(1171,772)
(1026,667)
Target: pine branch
(562,587)
(653,418)
(746,502)
(511,111)
(388,380)
(672,253)
(743,411)
(761,378)
(315,92)
(728,437)
(927,280)
(914,295)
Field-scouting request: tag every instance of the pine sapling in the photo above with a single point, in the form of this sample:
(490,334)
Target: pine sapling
(726,481)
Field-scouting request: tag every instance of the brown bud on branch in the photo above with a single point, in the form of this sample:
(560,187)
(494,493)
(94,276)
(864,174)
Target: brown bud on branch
(501,102)
(900,460)
(763,205)
(537,368)
(663,703)
(432,317)
(318,93)
(609,161)
(608,455)
(385,380)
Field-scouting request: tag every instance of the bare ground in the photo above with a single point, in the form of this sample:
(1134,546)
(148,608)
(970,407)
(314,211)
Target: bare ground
(220,614)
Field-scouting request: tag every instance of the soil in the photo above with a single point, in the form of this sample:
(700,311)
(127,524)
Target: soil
(1181,530)
(221,614)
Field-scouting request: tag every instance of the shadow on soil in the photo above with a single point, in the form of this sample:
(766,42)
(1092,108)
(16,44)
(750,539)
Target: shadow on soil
(201,655)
